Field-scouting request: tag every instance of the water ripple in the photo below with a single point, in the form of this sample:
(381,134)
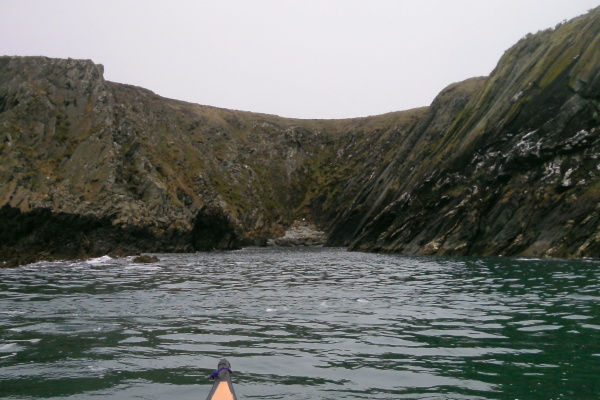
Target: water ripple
(301,324)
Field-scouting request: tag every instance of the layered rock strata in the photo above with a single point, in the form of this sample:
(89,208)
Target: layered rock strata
(500,165)
(516,171)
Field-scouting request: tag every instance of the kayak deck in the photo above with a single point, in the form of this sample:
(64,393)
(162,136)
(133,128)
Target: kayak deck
(222,388)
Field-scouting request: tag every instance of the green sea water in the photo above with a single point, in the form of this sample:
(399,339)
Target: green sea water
(302,324)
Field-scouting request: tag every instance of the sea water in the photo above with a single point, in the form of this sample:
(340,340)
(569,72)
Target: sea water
(312,323)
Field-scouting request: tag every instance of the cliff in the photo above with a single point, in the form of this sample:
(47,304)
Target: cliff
(503,165)
(515,171)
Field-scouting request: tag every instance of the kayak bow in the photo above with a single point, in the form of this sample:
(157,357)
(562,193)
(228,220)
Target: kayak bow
(222,389)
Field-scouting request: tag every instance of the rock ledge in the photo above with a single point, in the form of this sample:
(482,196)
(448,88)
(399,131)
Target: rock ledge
(301,233)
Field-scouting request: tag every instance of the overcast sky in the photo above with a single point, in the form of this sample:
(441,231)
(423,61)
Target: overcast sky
(304,59)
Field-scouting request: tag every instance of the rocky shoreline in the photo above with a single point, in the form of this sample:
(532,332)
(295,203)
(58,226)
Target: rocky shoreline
(301,233)
(40,234)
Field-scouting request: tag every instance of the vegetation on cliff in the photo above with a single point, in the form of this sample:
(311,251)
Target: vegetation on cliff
(503,165)
(516,171)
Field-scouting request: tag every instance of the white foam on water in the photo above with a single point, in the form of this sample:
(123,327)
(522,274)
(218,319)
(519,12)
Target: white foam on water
(99,260)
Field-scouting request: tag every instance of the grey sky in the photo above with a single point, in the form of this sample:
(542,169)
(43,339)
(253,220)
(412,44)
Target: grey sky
(305,59)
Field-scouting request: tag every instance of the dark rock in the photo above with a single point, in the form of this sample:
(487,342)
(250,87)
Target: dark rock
(254,242)
(214,230)
(146,259)
(40,234)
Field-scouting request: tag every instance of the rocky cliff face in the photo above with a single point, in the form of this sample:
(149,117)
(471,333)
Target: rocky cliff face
(515,171)
(74,143)
(501,165)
